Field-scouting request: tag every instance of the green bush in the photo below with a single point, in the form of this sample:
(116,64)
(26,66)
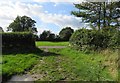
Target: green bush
(114,41)
(85,39)
(17,39)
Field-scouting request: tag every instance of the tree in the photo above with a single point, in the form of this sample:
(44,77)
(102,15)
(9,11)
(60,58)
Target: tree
(51,37)
(57,38)
(47,36)
(66,33)
(1,29)
(100,14)
(44,35)
(23,23)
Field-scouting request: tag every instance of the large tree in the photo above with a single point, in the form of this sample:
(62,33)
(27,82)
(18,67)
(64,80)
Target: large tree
(66,33)
(100,14)
(23,23)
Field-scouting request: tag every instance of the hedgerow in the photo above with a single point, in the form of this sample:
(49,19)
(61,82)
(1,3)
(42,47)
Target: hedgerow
(84,39)
(17,40)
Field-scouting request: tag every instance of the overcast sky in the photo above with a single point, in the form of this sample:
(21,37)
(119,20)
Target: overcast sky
(50,15)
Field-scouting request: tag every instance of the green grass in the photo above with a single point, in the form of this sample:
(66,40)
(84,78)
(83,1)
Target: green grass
(18,61)
(0,65)
(16,64)
(47,43)
(59,64)
(72,65)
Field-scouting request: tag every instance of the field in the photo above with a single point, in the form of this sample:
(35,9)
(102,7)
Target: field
(46,43)
(61,64)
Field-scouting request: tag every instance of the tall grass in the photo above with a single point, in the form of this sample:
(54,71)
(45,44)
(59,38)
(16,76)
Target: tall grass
(111,61)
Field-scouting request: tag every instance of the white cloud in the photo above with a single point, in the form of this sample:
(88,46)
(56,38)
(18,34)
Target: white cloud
(41,29)
(61,20)
(57,1)
(10,9)
(74,1)
(15,1)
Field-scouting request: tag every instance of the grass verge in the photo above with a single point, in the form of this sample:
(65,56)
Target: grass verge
(14,62)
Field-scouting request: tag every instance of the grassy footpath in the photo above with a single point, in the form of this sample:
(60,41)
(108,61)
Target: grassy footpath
(46,43)
(72,65)
(104,63)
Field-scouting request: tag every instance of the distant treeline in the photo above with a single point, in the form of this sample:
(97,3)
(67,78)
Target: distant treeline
(64,35)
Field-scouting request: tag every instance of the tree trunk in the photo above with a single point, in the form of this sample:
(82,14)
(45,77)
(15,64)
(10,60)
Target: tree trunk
(104,12)
(99,16)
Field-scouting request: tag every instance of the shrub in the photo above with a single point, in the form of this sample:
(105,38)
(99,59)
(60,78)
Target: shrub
(114,41)
(84,39)
(17,39)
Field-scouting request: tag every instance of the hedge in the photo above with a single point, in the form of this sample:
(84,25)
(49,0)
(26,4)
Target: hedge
(84,39)
(17,40)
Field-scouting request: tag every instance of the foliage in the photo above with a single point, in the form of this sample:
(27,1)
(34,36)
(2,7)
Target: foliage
(101,14)
(1,29)
(46,43)
(17,39)
(66,33)
(36,37)
(47,36)
(21,24)
(57,38)
(114,40)
(84,39)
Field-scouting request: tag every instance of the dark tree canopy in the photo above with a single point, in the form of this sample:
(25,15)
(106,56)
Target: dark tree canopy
(1,29)
(23,23)
(100,14)
(47,36)
(66,33)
